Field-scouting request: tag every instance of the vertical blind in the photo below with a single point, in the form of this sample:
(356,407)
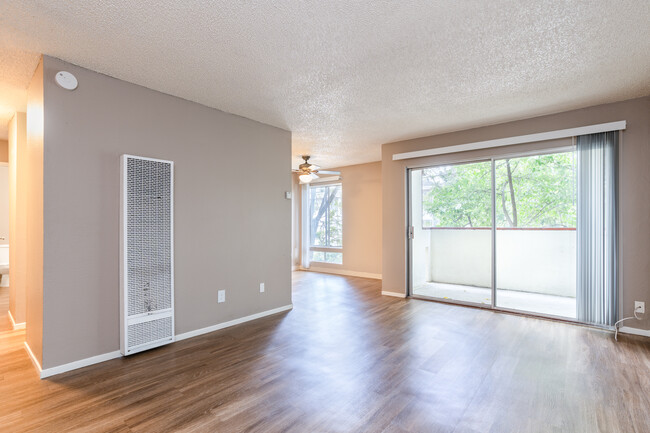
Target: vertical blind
(597,284)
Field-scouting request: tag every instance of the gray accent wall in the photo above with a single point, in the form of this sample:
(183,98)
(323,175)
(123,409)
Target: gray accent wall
(232,221)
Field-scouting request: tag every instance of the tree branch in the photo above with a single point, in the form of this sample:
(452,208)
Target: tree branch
(503,205)
(512,194)
(324,205)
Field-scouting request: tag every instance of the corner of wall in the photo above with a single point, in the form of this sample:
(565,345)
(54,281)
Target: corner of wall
(34,213)
(16,148)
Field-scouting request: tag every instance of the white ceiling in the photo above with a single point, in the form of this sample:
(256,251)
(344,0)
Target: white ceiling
(16,70)
(346,76)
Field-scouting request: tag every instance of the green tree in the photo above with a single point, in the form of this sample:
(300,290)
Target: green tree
(326,216)
(535,191)
(458,195)
(326,222)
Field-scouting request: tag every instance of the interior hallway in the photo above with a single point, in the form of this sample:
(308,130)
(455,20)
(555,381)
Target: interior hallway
(348,359)
(5,323)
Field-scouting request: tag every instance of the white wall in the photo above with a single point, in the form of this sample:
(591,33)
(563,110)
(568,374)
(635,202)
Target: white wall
(540,261)
(461,257)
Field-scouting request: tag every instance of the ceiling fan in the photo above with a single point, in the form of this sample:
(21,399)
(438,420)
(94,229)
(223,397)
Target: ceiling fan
(307,172)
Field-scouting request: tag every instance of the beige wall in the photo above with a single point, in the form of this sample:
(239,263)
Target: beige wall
(4,150)
(296,223)
(4,204)
(361,220)
(232,221)
(634,187)
(34,214)
(17,151)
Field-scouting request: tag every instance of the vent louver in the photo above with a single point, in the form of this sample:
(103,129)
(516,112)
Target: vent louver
(146,263)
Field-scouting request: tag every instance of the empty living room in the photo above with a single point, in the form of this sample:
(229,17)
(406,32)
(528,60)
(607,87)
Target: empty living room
(343,216)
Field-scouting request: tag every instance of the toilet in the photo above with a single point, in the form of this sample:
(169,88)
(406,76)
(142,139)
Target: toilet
(4,265)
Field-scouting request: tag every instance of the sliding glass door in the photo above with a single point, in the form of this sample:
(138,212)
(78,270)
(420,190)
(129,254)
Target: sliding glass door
(536,234)
(499,233)
(451,221)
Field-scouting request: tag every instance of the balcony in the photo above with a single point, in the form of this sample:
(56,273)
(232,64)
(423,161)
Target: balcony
(535,267)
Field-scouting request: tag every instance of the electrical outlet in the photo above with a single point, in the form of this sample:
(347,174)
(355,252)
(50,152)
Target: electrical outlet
(261,287)
(639,307)
(221,296)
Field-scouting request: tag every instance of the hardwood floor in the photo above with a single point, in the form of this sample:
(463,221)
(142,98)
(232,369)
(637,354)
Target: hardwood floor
(5,323)
(346,359)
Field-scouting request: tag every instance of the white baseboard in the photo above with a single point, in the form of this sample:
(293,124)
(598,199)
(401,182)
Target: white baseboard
(634,331)
(196,332)
(116,354)
(33,359)
(79,364)
(395,294)
(15,325)
(343,272)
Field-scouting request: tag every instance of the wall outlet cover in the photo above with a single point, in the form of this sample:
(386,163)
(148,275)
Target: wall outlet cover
(221,296)
(639,307)
(261,287)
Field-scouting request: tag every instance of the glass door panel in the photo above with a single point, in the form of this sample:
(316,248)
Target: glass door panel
(451,240)
(535,201)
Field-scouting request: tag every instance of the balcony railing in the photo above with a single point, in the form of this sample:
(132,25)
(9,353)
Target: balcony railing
(535,260)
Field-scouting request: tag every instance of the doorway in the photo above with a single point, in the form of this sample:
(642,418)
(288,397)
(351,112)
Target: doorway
(6,323)
(496,233)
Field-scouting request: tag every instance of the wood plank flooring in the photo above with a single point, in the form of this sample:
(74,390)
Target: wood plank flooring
(346,359)
(5,323)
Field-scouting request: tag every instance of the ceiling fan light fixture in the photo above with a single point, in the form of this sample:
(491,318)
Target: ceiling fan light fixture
(305,178)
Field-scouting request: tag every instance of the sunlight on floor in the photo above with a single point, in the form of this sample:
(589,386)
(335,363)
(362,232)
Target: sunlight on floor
(524,301)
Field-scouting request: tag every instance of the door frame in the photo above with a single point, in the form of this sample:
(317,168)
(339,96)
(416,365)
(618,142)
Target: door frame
(409,224)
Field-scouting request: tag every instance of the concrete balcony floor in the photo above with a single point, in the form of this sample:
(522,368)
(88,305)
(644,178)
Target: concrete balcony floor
(561,306)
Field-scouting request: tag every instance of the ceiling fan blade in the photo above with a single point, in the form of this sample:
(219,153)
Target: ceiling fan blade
(313,175)
(338,173)
(313,167)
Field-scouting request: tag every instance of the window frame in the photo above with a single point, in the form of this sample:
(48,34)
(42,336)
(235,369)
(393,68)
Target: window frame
(326,248)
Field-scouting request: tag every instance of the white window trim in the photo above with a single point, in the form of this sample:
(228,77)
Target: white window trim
(519,139)
(306,259)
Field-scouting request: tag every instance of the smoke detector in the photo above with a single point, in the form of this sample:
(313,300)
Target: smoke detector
(66,80)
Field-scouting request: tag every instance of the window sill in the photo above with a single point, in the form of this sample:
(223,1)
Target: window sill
(327,249)
(327,264)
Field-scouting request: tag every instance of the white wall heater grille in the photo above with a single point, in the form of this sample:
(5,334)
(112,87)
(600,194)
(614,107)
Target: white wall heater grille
(146,254)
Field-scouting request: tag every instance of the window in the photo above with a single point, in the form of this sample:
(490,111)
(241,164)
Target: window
(499,232)
(326,223)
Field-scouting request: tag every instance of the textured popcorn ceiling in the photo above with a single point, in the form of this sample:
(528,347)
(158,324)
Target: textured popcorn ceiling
(346,76)
(16,70)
